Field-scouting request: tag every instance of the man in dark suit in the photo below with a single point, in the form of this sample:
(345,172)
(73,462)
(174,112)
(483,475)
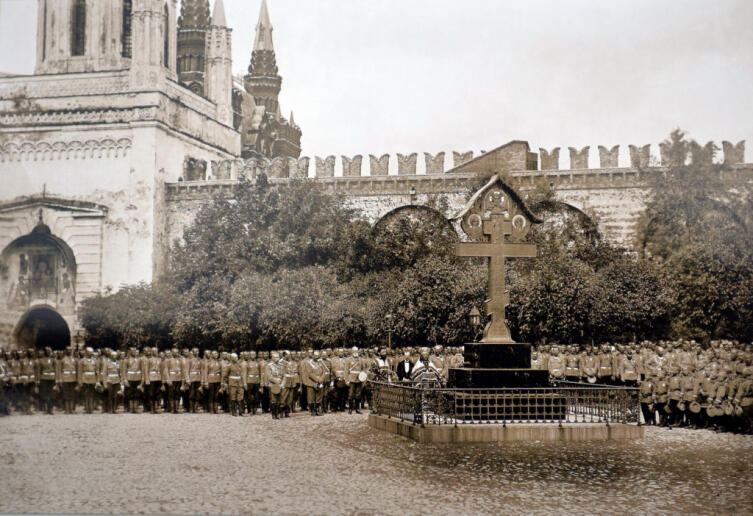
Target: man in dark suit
(404,368)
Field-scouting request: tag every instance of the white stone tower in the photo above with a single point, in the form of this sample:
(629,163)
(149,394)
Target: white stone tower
(219,65)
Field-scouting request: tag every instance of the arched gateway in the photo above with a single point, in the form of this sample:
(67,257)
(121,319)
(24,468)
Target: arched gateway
(37,288)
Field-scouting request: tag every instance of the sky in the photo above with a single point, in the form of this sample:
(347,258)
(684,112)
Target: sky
(388,76)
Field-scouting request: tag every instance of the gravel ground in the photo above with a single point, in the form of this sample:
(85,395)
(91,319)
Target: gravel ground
(205,464)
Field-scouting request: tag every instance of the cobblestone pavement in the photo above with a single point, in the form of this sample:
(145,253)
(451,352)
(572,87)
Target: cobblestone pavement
(204,464)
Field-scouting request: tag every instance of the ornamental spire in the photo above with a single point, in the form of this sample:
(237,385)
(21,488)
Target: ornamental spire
(218,15)
(264,29)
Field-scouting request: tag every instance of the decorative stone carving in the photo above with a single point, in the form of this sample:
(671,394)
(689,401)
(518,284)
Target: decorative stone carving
(277,169)
(609,158)
(379,166)
(325,167)
(550,160)
(352,166)
(640,156)
(406,165)
(459,158)
(434,164)
(46,151)
(578,158)
(734,154)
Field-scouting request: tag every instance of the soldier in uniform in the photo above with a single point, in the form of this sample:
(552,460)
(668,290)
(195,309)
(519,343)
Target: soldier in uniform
(192,376)
(14,380)
(606,366)
(556,365)
(589,365)
(661,396)
(572,364)
(47,376)
(297,357)
(273,375)
(265,399)
(324,359)
(212,379)
(172,380)
(185,363)
(234,378)
(312,377)
(153,380)
(353,368)
(27,380)
(253,382)
(87,379)
(290,372)
(134,380)
(340,386)
(627,370)
(109,377)
(68,380)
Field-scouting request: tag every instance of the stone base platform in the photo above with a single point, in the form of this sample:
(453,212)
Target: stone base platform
(480,433)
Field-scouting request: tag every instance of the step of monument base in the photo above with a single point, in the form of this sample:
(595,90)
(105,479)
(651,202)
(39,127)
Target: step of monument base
(476,378)
(513,432)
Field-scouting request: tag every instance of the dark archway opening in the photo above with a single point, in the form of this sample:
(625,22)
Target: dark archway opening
(42,327)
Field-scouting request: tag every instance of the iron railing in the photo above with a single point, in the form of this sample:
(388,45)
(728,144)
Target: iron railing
(560,404)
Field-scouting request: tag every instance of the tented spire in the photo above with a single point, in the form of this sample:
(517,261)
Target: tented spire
(263,39)
(218,15)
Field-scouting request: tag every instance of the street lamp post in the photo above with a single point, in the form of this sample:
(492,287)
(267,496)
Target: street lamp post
(388,317)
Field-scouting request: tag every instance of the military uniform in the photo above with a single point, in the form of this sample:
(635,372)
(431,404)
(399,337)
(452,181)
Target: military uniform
(340,386)
(48,381)
(556,366)
(153,383)
(273,375)
(134,380)
(234,376)
(68,382)
(290,375)
(172,379)
(211,380)
(192,377)
(353,367)
(253,384)
(111,381)
(87,381)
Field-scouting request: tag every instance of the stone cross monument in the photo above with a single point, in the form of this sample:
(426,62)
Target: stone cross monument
(497,220)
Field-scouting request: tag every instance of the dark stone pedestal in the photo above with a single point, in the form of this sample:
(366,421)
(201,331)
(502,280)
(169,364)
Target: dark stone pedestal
(495,366)
(470,378)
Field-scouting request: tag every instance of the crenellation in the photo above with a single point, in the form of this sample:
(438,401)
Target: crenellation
(406,164)
(550,160)
(434,164)
(352,166)
(325,167)
(734,154)
(702,155)
(640,157)
(379,166)
(460,158)
(579,158)
(609,158)
(277,168)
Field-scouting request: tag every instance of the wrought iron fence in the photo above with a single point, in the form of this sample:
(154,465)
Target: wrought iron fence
(561,404)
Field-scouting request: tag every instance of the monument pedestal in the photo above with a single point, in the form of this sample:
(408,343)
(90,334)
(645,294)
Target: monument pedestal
(496,366)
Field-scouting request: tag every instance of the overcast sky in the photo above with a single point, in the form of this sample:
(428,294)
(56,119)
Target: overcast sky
(376,76)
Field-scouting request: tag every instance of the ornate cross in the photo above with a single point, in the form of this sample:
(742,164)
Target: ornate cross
(497,219)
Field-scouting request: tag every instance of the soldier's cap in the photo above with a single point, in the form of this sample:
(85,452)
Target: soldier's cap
(90,350)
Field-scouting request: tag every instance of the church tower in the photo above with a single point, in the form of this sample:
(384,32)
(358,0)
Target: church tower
(75,36)
(262,80)
(192,32)
(218,82)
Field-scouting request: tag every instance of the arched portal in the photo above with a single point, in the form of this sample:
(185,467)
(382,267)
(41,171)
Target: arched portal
(42,327)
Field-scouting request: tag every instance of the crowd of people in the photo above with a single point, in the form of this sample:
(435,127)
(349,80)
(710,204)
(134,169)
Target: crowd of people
(148,380)
(680,383)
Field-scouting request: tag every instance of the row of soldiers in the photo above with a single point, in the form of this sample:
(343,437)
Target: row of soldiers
(681,383)
(175,380)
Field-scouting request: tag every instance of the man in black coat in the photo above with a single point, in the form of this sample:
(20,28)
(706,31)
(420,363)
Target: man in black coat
(404,368)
